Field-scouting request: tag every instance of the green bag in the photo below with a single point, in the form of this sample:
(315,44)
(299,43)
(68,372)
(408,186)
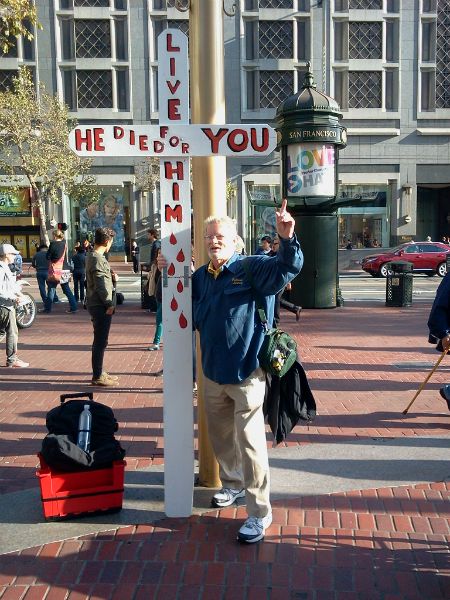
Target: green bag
(279,350)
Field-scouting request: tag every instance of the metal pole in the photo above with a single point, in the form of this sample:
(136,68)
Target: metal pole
(206,52)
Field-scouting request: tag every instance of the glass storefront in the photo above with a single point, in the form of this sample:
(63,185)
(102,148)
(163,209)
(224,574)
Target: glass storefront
(110,210)
(364,225)
(262,200)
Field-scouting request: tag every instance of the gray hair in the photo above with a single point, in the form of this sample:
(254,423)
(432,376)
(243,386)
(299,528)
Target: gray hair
(225,221)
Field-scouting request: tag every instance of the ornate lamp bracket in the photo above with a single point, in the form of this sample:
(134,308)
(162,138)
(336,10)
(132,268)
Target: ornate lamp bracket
(232,11)
(182,5)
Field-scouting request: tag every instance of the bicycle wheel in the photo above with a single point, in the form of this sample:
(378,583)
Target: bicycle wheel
(26,313)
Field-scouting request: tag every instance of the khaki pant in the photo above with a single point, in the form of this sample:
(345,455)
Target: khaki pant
(238,437)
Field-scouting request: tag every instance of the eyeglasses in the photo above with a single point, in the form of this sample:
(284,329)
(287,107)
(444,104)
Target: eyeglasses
(218,237)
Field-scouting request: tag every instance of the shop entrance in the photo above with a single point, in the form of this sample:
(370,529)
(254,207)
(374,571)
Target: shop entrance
(433,212)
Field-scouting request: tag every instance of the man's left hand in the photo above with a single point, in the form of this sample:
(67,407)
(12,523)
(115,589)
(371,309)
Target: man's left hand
(285,222)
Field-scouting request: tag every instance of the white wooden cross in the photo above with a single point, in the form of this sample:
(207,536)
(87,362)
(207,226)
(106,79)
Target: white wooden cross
(175,141)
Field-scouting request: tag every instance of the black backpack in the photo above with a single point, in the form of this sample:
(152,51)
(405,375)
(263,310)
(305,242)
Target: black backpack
(59,447)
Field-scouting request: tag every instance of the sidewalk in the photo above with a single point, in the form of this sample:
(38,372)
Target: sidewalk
(361,498)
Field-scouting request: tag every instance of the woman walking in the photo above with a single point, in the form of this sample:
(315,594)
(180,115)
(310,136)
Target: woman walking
(58,272)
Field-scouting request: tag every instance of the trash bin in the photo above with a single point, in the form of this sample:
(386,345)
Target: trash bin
(145,298)
(399,284)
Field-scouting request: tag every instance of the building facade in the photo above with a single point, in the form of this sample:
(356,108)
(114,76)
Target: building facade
(386,62)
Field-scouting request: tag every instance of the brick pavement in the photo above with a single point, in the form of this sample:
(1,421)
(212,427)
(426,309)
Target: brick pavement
(382,544)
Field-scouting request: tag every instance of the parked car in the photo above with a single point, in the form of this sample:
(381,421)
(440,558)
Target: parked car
(426,257)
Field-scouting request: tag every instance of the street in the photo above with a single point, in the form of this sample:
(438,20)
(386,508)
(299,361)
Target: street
(361,286)
(355,286)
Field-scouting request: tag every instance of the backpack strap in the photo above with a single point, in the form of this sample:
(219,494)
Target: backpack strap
(256,295)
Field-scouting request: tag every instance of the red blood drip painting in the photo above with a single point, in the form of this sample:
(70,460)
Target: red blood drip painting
(179,287)
(180,256)
(172,239)
(182,321)
(171,269)
(174,304)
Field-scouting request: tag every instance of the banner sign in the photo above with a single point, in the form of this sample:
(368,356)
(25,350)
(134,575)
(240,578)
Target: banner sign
(15,204)
(173,140)
(175,186)
(310,170)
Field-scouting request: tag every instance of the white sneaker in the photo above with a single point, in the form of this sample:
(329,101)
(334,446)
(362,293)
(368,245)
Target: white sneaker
(253,529)
(226,497)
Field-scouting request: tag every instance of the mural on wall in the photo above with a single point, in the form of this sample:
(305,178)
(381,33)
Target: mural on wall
(15,203)
(106,212)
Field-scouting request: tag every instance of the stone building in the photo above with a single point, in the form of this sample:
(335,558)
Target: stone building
(386,62)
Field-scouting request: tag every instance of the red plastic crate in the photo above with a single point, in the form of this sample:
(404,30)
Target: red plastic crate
(77,493)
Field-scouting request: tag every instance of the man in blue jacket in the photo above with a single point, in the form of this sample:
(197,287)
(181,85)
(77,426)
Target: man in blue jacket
(231,335)
(439,323)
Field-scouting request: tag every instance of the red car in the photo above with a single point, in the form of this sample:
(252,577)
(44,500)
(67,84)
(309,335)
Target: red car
(427,257)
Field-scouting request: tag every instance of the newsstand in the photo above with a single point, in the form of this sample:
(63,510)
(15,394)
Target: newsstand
(399,284)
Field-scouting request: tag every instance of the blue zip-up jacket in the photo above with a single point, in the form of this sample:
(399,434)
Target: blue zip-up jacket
(231,332)
(439,319)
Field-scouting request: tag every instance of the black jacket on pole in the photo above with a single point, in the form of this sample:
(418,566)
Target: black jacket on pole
(287,400)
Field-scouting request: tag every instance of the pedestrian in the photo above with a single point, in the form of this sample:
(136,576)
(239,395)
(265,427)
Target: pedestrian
(240,245)
(231,335)
(40,263)
(17,266)
(439,324)
(158,297)
(10,296)
(264,247)
(279,300)
(135,251)
(152,235)
(57,255)
(100,300)
(79,273)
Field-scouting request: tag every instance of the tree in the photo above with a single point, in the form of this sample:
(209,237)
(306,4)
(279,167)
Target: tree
(147,174)
(34,134)
(16,16)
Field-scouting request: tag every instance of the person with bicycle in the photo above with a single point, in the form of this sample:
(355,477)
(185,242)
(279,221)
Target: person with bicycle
(10,297)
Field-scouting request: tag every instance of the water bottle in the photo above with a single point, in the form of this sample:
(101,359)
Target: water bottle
(84,429)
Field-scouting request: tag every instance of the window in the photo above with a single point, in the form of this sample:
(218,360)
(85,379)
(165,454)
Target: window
(275,3)
(93,38)
(122,89)
(94,89)
(92,3)
(365,40)
(391,89)
(428,41)
(366,4)
(275,87)
(442,54)
(275,39)
(12,50)
(364,89)
(427,91)
(6,80)
(303,40)
(120,27)
(67,39)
